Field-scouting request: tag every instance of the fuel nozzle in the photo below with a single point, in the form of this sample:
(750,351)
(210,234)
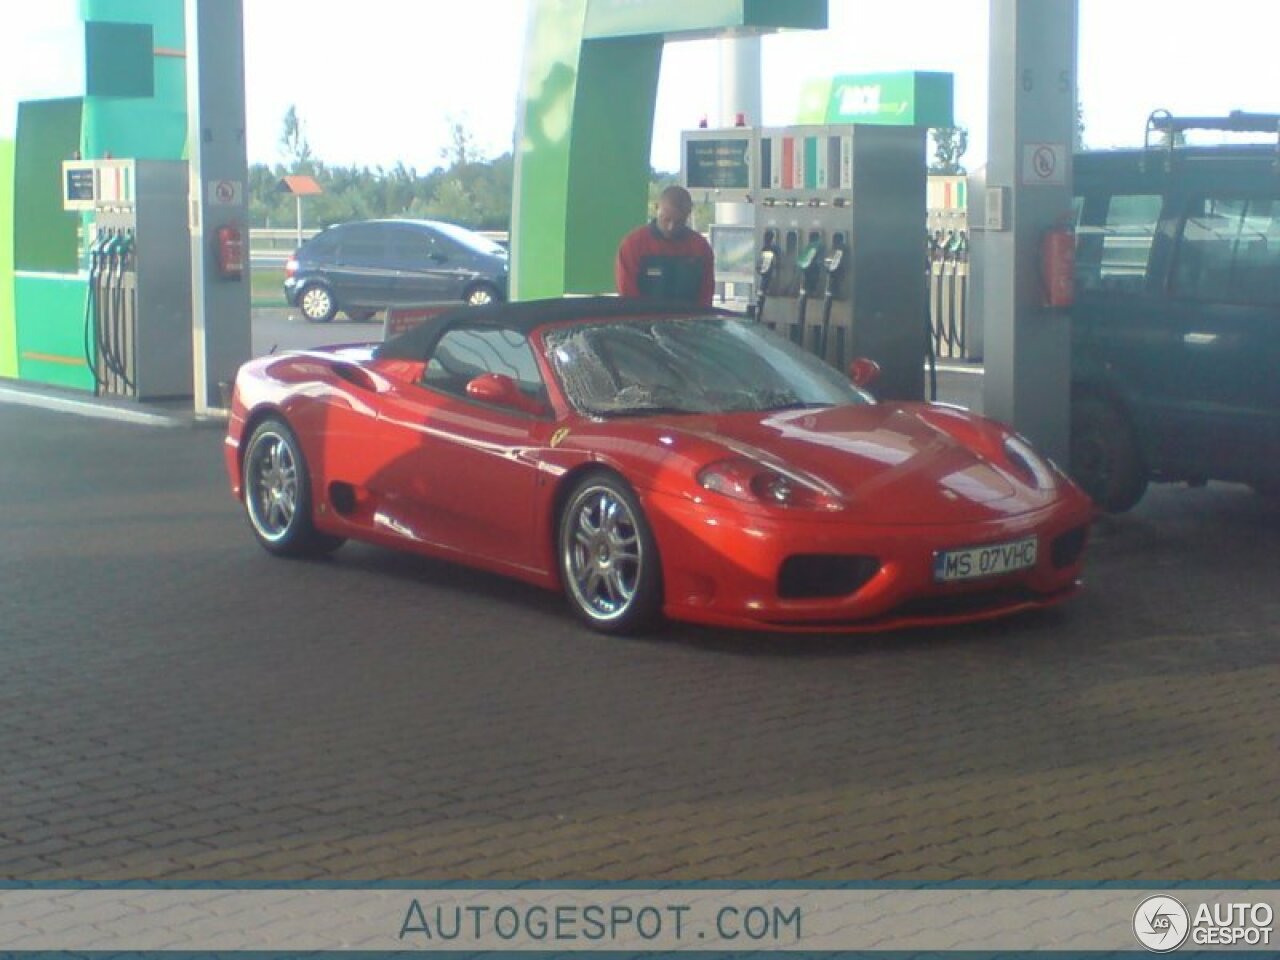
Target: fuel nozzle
(766,268)
(832,266)
(810,264)
(768,257)
(810,259)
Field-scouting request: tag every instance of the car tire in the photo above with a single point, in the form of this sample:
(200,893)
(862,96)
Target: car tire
(317,303)
(609,563)
(481,294)
(1104,455)
(277,493)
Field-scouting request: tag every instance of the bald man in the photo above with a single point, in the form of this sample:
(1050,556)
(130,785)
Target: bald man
(666,259)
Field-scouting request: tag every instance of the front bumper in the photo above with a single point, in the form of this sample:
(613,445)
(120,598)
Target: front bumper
(722,567)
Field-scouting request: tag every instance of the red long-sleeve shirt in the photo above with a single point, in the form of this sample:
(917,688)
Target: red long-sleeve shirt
(677,268)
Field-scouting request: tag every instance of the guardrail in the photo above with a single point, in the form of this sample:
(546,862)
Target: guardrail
(267,240)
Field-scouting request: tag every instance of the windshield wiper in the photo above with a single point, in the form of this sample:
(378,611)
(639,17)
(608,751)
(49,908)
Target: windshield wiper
(642,409)
(797,405)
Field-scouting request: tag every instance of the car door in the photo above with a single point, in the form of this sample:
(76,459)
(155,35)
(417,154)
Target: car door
(363,274)
(1225,313)
(466,472)
(422,264)
(1122,340)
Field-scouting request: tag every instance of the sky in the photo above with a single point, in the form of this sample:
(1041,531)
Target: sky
(379,82)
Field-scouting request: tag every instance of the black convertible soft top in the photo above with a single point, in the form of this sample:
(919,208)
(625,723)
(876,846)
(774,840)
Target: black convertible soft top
(417,343)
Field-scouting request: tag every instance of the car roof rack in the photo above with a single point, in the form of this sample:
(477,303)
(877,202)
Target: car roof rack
(1237,121)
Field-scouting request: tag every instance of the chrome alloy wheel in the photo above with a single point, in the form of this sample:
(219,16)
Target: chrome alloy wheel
(317,304)
(604,555)
(272,479)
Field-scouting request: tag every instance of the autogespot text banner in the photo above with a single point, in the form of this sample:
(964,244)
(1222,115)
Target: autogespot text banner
(856,920)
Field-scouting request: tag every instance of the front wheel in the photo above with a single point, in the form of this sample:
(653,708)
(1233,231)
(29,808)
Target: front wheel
(608,558)
(277,494)
(317,304)
(1104,455)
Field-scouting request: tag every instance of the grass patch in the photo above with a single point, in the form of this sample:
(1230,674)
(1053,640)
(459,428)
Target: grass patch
(266,287)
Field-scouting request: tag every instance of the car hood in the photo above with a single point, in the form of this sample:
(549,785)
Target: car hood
(889,463)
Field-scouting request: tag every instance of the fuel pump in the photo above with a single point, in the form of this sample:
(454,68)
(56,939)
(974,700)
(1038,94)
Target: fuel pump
(833,267)
(137,314)
(810,264)
(838,213)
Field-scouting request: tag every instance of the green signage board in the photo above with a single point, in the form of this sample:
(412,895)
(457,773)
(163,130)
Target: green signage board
(909,99)
(683,19)
(718,163)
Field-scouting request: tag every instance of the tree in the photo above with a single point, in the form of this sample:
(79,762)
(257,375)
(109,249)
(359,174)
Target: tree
(293,142)
(462,147)
(949,146)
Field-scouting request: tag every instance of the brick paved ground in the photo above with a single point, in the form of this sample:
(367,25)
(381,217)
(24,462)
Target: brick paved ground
(176,704)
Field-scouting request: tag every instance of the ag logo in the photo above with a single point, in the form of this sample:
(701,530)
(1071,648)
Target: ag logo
(1161,924)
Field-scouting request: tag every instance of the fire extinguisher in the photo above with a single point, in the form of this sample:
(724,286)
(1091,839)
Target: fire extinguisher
(1058,266)
(230,242)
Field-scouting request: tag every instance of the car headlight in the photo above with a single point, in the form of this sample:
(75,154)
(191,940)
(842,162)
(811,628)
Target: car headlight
(741,478)
(1028,464)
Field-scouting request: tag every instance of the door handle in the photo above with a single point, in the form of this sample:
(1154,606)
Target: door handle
(1199,339)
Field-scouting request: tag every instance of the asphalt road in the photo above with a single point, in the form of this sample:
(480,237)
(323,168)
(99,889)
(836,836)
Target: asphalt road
(174,703)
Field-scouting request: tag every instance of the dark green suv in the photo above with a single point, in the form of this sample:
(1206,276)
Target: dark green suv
(1176,322)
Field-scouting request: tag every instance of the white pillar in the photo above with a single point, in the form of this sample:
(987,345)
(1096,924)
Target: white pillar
(740,93)
(1026,347)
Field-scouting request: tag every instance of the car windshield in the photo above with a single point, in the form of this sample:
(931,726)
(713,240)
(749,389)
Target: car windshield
(689,365)
(470,240)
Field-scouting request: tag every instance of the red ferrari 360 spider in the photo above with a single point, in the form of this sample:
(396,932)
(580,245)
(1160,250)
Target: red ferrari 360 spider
(649,461)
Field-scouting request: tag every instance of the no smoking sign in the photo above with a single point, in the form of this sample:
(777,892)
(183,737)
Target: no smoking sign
(1044,164)
(225,193)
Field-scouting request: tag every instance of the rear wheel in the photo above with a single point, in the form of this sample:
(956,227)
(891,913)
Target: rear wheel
(317,304)
(277,494)
(1104,455)
(608,558)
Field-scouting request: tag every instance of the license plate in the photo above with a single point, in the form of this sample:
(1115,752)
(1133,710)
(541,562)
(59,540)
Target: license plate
(972,563)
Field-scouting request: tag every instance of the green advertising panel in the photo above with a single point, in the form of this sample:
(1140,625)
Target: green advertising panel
(8,313)
(45,235)
(909,99)
(51,337)
(146,54)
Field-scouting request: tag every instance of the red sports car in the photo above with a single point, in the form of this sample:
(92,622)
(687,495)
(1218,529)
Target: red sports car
(650,461)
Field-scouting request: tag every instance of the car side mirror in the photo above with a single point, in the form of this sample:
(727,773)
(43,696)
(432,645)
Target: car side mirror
(864,372)
(502,391)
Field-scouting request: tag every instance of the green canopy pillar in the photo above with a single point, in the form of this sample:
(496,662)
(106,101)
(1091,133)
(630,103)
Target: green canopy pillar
(585,125)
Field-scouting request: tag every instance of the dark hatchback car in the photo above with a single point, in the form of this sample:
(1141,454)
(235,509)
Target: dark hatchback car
(362,267)
(1176,322)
